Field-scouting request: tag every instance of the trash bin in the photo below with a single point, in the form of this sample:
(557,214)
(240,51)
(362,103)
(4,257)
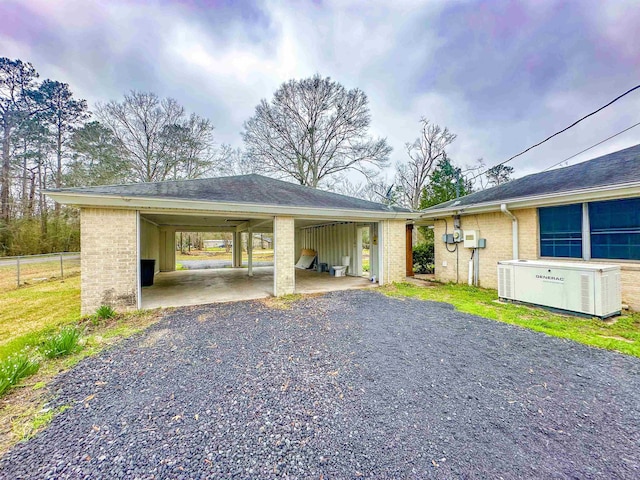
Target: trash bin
(147,269)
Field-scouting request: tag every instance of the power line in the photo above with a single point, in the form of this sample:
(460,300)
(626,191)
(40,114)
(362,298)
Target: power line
(592,146)
(560,131)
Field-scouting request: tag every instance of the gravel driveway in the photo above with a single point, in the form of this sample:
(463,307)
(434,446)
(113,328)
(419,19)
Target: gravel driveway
(346,385)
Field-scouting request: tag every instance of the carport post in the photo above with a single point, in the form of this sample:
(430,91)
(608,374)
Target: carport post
(284,274)
(237,249)
(250,251)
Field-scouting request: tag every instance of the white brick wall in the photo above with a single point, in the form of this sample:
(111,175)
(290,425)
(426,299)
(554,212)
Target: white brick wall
(394,268)
(284,280)
(108,259)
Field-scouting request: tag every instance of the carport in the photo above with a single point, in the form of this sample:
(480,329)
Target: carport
(179,288)
(123,224)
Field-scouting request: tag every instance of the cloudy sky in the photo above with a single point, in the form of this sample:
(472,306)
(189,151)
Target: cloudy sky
(500,74)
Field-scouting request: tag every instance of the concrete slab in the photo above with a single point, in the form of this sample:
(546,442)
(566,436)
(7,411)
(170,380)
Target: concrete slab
(197,287)
(309,281)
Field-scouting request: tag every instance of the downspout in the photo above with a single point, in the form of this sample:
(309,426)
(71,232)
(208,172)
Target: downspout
(514,229)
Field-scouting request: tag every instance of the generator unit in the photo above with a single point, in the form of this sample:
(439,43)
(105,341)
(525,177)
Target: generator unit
(586,288)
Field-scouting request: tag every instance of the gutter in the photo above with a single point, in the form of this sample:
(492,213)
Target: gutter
(514,228)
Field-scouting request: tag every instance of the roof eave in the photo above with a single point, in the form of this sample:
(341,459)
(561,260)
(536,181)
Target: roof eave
(135,202)
(609,192)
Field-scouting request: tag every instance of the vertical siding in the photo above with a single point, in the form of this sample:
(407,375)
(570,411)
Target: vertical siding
(167,249)
(150,242)
(331,242)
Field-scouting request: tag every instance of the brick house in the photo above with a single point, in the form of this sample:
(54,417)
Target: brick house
(123,224)
(589,212)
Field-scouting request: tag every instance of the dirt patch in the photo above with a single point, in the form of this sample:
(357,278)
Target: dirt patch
(154,337)
(616,337)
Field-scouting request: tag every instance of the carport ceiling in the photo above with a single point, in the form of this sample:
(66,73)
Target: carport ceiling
(206,221)
(306,223)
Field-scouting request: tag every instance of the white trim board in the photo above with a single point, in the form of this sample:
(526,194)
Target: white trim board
(610,192)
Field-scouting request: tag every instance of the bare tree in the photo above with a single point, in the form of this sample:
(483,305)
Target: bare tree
(313,129)
(188,147)
(424,153)
(159,141)
(475,175)
(374,190)
(138,123)
(234,161)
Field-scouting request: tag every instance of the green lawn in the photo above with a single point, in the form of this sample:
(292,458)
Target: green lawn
(34,273)
(621,334)
(29,313)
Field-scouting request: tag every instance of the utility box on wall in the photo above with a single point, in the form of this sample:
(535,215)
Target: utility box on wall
(455,237)
(586,288)
(471,238)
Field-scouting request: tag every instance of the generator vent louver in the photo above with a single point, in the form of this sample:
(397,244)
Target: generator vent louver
(585,291)
(504,287)
(586,288)
(611,289)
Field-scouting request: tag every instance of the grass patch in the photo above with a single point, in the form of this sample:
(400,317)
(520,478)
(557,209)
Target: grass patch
(44,418)
(15,368)
(35,419)
(621,334)
(284,302)
(62,344)
(29,314)
(105,312)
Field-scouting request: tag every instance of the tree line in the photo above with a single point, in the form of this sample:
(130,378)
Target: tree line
(50,139)
(313,131)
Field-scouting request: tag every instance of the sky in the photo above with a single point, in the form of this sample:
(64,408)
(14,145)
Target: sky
(502,75)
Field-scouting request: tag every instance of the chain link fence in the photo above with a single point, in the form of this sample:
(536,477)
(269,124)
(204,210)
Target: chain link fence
(29,269)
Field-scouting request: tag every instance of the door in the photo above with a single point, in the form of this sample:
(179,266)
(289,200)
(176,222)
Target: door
(409,250)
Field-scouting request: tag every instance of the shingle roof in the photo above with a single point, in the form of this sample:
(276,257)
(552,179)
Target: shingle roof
(615,168)
(249,189)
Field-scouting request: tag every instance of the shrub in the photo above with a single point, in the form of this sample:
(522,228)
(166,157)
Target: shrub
(423,258)
(105,312)
(14,368)
(64,343)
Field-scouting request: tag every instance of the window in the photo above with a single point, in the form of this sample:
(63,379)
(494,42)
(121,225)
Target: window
(561,231)
(615,229)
